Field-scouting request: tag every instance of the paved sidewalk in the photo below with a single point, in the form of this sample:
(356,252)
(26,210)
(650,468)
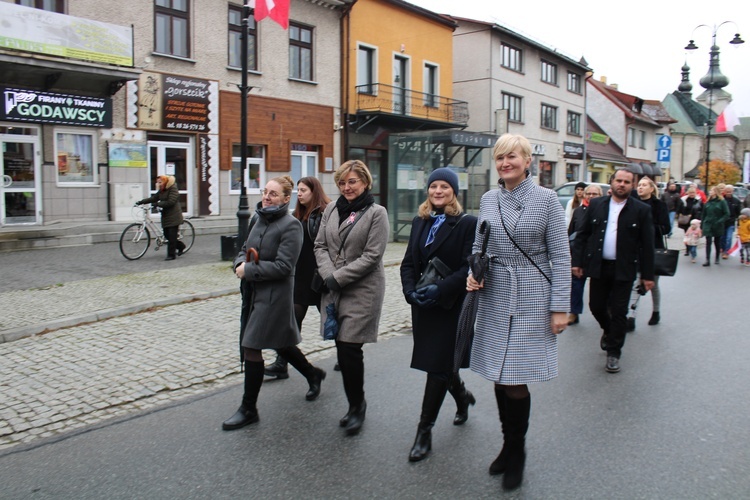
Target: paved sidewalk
(133,342)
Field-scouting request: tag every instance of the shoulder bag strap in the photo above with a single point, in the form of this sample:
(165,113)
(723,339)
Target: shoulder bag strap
(502,220)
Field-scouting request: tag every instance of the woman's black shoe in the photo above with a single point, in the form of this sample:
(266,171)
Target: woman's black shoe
(654,318)
(422,443)
(241,418)
(707,264)
(314,381)
(356,419)
(278,369)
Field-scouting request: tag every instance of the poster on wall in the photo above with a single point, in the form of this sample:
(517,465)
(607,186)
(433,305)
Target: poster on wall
(172,103)
(128,155)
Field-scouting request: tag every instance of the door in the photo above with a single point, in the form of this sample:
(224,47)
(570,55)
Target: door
(400,84)
(304,164)
(174,158)
(20,192)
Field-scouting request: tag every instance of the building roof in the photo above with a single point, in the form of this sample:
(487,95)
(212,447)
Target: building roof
(598,150)
(439,18)
(630,105)
(657,111)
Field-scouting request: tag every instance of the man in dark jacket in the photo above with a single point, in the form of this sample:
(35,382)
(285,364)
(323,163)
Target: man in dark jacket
(674,202)
(614,243)
(735,206)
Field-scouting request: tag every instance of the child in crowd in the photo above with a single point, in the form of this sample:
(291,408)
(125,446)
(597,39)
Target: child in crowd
(692,237)
(743,233)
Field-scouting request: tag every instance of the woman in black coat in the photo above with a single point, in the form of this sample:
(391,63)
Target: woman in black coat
(311,201)
(440,231)
(167,198)
(648,193)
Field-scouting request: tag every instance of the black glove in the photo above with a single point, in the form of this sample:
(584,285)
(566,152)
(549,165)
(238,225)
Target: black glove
(427,296)
(332,284)
(411,297)
(139,203)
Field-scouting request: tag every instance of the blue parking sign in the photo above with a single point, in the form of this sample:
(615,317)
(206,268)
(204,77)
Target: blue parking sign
(663,154)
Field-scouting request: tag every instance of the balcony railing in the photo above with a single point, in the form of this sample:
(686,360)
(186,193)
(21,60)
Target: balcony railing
(381,98)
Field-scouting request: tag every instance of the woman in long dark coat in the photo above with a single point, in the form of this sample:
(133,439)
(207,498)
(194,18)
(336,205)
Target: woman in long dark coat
(269,323)
(167,197)
(714,215)
(311,201)
(440,231)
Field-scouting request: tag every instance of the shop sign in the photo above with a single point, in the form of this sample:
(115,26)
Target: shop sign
(128,154)
(173,103)
(473,139)
(46,107)
(598,138)
(573,150)
(538,149)
(35,30)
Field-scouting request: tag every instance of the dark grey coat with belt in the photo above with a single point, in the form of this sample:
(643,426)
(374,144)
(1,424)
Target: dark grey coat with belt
(270,323)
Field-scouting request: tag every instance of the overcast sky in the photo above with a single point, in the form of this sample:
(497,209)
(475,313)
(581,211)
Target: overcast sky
(636,44)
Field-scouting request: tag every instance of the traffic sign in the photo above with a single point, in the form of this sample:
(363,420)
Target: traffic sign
(664,142)
(663,154)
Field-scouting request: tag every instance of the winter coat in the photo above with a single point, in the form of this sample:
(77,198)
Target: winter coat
(691,207)
(306,265)
(434,329)
(673,200)
(277,236)
(513,340)
(743,230)
(734,205)
(715,213)
(660,218)
(635,240)
(358,270)
(168,199)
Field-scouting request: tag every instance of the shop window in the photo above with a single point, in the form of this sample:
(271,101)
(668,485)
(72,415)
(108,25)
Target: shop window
(235,39)
(300,52)
(75,158)
(50,5)
(171,25)
(255,173)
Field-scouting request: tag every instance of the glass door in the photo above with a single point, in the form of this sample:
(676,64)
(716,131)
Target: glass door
(20,191)
(172,158)
(304,164)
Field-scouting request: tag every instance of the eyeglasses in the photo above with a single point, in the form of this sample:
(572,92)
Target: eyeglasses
(270,194)
(350,182)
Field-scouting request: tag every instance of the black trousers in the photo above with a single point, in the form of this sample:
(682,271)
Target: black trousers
(170,233)
(608,301)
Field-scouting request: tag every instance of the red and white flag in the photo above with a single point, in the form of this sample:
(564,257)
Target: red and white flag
(735,248)
(278,10)
(727,120)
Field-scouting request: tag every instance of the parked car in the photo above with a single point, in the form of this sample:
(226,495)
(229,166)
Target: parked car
(566,191)
(740,193)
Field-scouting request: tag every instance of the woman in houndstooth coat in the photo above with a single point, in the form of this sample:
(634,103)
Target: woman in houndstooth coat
(520,312)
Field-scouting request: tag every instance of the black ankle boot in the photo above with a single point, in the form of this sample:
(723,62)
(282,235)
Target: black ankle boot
(247,413)
(513,476)
(422,443)
(518,423)
(314,380)
(356,419)
(655,317)
(463,399)
(242,417)
(278,368)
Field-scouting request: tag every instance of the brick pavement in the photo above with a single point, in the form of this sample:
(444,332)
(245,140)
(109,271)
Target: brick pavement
(132,342)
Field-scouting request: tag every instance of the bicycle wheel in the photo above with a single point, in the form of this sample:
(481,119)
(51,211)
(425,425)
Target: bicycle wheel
(134,241)
(186,234)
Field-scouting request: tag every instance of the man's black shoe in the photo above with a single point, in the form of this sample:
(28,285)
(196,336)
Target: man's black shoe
(613,364)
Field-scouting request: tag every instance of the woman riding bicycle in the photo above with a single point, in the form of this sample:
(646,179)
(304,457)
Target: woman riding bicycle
(167,197)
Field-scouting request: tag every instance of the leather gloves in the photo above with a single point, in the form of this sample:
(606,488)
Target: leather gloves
(411,297)
(332,284)
(427,296)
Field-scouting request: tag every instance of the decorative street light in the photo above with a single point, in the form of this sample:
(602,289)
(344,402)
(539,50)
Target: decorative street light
(243,211)
(713,79)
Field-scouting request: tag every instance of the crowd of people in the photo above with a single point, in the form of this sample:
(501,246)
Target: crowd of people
(538,256)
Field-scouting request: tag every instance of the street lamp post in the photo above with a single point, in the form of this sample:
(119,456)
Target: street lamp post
(713,80)
(243,211)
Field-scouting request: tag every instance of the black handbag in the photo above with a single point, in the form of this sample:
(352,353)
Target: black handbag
(317,283)
(435,272)
(665,261)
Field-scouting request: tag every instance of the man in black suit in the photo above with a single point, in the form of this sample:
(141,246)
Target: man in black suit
(614,243)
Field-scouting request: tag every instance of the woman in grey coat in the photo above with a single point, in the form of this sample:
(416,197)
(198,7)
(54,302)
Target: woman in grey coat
(266,263)
(354,277)
(523,300)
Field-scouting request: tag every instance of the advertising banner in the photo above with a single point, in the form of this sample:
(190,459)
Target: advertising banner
(128,155)
(34,30)
(174,103)
(46,107)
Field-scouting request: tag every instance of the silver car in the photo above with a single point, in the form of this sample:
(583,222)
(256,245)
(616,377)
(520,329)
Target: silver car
(566,191)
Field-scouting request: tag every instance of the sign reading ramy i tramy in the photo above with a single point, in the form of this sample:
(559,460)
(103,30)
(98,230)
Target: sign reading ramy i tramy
(46,107)
(174,103)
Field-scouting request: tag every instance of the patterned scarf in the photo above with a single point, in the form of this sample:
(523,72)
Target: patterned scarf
(439,219)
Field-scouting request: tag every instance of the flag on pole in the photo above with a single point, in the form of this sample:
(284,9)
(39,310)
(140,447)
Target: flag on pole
(727,120)
(278,10)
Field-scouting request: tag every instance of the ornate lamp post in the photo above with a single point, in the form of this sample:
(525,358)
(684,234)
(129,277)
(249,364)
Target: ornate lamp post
(714,79)
(243,211)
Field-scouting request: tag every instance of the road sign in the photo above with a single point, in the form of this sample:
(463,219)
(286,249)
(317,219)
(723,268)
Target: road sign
(663,154)
(664,142)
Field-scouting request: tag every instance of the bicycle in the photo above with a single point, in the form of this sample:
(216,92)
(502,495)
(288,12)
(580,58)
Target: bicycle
(136,238)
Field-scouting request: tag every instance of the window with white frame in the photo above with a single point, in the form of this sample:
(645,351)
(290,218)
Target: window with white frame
(642,139)
(235,39)
(549,72)
(50,5)
(512,58)
(574,82)
(631,137)
(513,104)
(300,52)
(255,172)
(574,123)
(430,79)
(172,27)
(366,57)
(549,117)
(75,157)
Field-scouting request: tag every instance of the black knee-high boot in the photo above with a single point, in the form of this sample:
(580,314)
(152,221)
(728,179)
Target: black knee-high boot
(434,394)
(247,413)
(517,413)
(463,399)
(352,363)
(314,375)
(501,462)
